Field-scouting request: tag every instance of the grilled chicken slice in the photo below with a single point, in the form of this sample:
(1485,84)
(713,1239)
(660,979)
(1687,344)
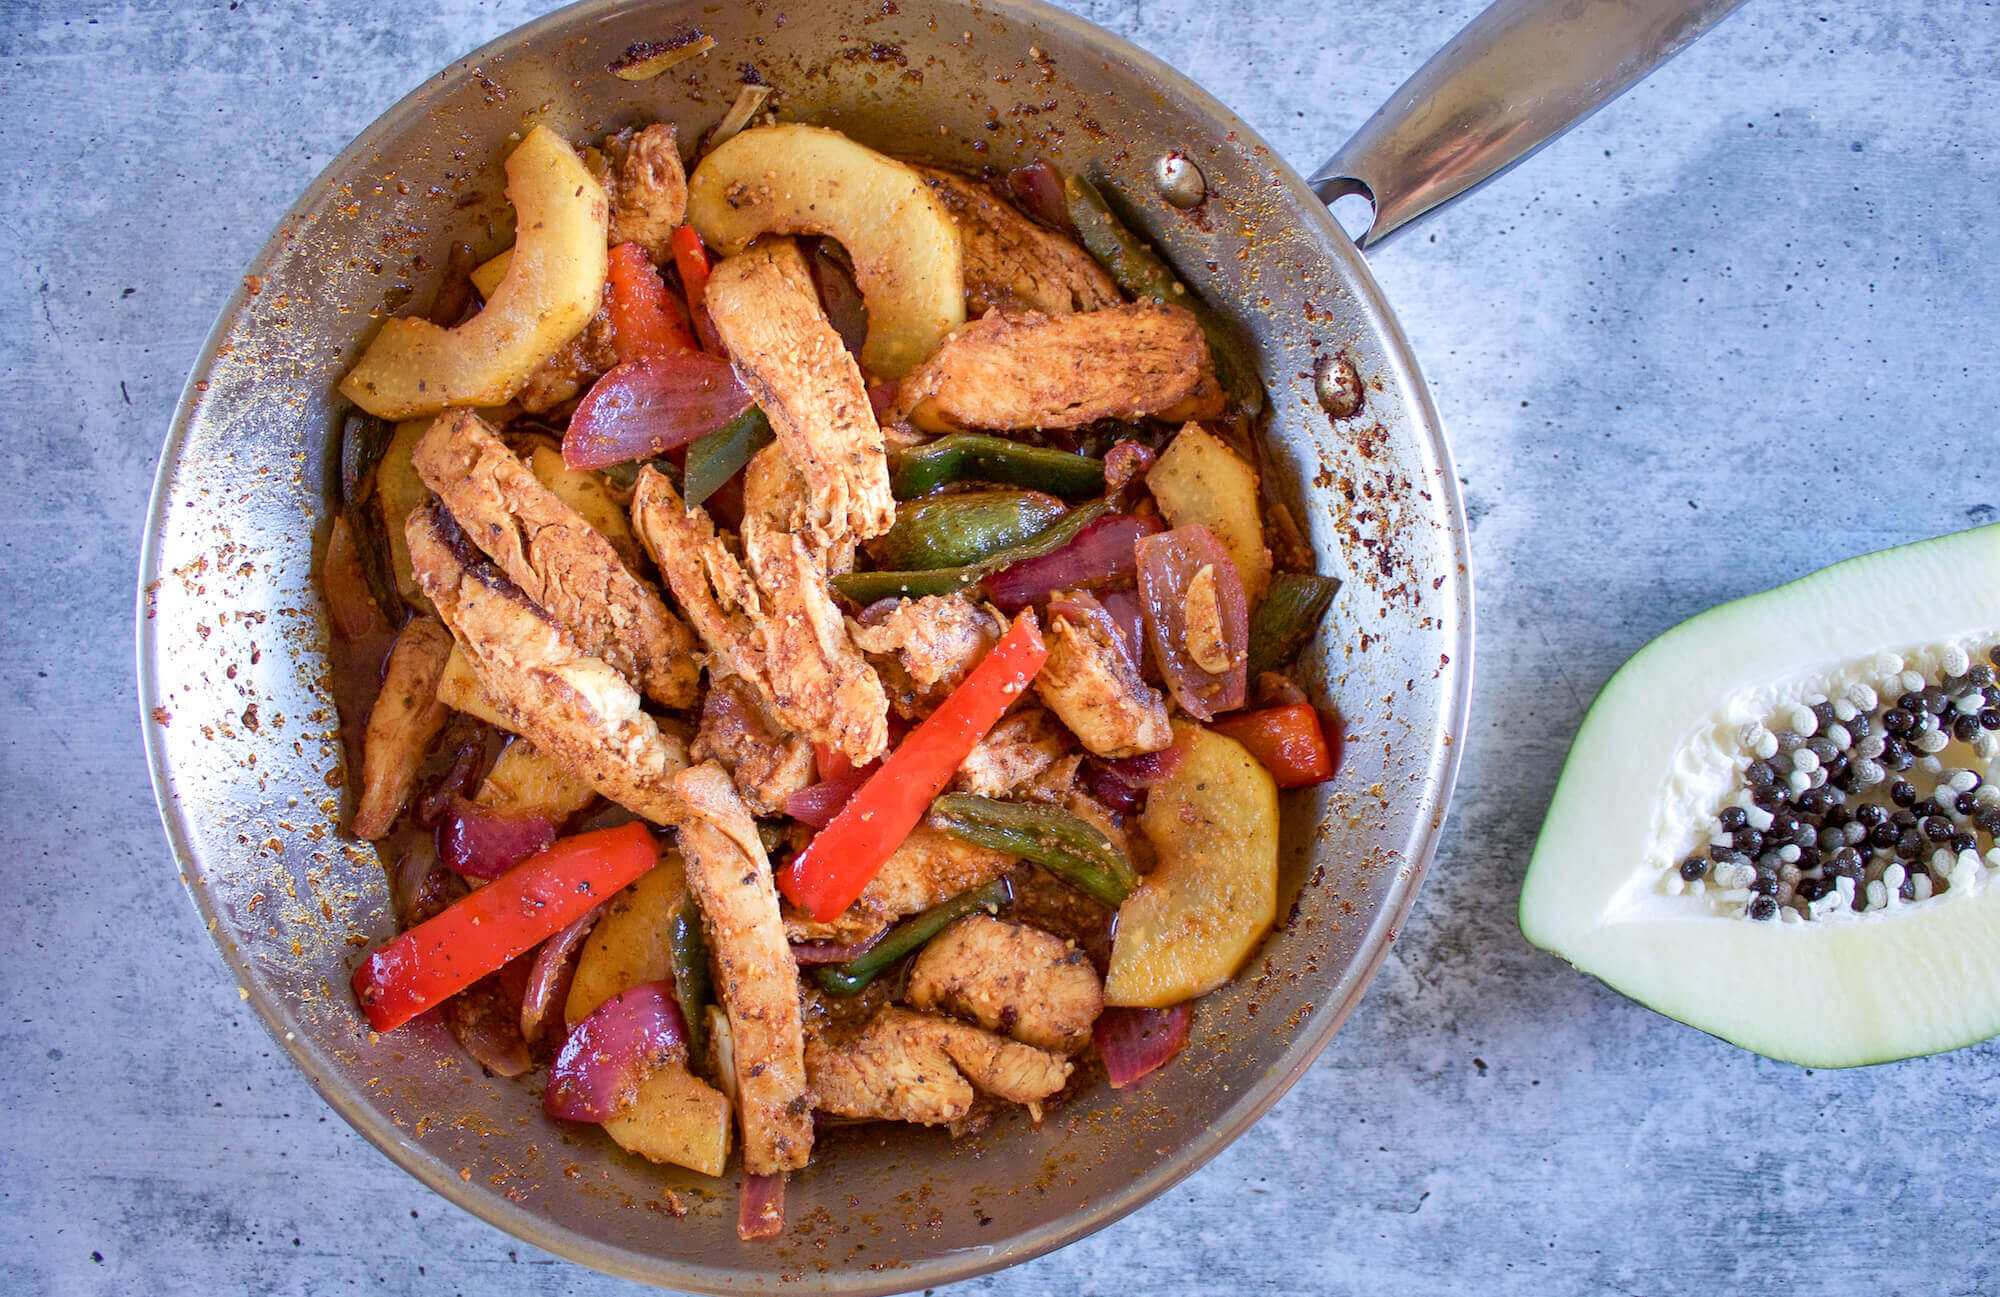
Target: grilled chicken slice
(401,726)
(758,982)
(905,1066)
(582,361)
(1011,262)
(1015,753)
(768,314)
(1010,978)
(557,558)
(1091,682)
(573,707)
(1023,369)
(781,631)
(647,186)
(930,867)
(924,647)
(767,764)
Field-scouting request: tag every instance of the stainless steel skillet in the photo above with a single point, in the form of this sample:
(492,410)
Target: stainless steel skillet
(232,638)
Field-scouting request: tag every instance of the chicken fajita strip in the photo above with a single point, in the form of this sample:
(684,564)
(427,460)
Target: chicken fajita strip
(572,706)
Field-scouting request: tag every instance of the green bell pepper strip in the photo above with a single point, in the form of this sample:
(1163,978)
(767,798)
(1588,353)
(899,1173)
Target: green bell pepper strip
(1141,271)
(687,953)
(906,937)
(363,440)
(866,587)
(964,527)
(714,459)
(1285,620)
(1071,848)
(976,456)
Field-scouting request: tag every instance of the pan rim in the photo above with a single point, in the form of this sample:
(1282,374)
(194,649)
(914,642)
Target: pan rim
(1344,994)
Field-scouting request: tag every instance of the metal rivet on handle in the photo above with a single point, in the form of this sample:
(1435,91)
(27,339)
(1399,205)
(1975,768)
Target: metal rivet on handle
(1178,180)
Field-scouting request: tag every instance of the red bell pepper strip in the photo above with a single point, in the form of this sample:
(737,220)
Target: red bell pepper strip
(643,319)
(837,864)
(482,930)
(691,260)
(1288,741)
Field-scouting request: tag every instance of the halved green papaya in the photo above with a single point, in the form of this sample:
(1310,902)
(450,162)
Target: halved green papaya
(1705,854)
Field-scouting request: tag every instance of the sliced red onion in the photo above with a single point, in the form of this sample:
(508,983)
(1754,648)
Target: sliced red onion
(1109,789)
(882,398)
(840,298)
(827,952)
(818,804)
(760,1211)
(1082,608)
(1123,605)
(1135,1042)
(1168,564)
(1149,769)
(1037,189)
(612,1049)
(649,406)
(1125,463)
(878,612)
(1122,784)
(454,783)
(473,841)
(1101,555)
(420,889)
(549,977)
(485,1020)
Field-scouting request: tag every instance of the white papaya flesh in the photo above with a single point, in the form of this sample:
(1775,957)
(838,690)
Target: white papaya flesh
(1826,940)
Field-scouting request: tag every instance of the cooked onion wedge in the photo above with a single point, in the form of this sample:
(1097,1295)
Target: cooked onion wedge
(552,286)
(793,179)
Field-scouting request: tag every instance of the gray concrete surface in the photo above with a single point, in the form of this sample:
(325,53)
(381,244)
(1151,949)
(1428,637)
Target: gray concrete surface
(1739,325)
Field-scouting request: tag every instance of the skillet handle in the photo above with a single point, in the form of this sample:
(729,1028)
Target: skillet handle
(1518,76)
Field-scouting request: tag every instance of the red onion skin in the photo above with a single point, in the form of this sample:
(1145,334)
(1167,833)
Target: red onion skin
(1103,554)
(649,406)
(1037,189)
(1168,563)
(760,1211)
(549,977)
(609,1053)
(1137,1042)
(478,844)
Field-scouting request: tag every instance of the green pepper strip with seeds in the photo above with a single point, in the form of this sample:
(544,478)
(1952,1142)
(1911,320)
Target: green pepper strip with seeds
(909,935)
(979,457)
(1141,271)
(866,587)
(1071,848)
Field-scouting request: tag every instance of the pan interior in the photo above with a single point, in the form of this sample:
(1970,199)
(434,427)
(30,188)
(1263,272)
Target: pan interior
(232,636)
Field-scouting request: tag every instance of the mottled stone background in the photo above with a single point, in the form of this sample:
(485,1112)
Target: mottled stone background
(1740,325)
